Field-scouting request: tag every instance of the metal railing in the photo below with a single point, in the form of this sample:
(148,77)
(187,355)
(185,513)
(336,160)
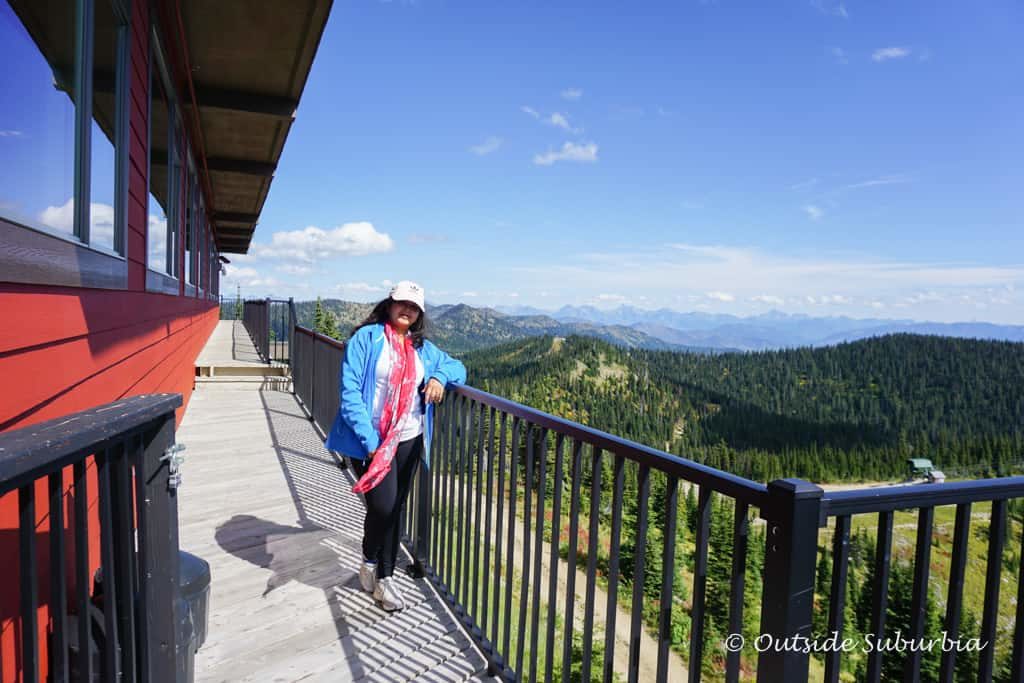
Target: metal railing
(122,449)
(485,523)
(271,324)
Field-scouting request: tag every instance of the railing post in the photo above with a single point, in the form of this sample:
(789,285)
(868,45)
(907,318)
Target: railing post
(791,546)
(158,557)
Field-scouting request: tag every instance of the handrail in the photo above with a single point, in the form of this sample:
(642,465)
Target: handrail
(320,337)
(722,482)
(31,452)
(881,499)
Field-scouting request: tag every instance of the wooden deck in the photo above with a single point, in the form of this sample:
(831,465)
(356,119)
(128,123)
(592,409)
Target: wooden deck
(266,505)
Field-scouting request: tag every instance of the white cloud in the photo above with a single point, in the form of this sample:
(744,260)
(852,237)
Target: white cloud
(583,153)
(886,53)
(896,179)
(814,212)
(10,133)
(559,120)
(847,283)
(294,269)
(831,8)
(804,185)
(721,296)
(470,294)
(313,244)
(491,144)
(572,93)
(612,298)
(531,111)
(101,220)
(768,299)
(363,287)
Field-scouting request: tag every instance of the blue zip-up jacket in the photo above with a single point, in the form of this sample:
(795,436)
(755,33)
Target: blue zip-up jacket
(353,433)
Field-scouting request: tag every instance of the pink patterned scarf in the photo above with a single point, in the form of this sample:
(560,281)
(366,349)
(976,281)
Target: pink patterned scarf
(400,393)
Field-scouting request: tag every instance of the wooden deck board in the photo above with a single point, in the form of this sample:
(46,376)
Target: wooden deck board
(269,509)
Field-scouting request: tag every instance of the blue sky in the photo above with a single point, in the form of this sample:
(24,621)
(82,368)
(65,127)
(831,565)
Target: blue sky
(810,156)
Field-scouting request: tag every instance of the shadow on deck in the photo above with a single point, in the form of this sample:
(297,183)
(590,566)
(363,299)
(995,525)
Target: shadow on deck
(266,505)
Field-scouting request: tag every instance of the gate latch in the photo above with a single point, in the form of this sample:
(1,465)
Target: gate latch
(174,457)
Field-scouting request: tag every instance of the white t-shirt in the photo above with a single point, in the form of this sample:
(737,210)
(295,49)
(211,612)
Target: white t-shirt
(414,424)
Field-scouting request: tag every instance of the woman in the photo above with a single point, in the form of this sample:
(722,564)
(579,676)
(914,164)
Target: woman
(391,378)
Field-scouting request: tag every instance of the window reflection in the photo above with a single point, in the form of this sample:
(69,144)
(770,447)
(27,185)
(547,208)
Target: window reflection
(37,113)
(158,138)
(104,112)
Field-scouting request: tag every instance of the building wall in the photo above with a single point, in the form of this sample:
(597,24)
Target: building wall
(65,349)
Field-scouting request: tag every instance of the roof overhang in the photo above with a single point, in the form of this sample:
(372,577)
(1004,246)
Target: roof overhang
(248,61)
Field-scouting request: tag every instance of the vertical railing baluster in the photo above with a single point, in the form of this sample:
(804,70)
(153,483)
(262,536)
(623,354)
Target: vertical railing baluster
(837,595)
(538,554)
(489,502)
(737,586)
(668,572)
(570,576)
(639,572)
(990,615)
(556,527)
(449,549)
(497,622)
(613,567)
(478,540)
(524,585)
(466,489)
(513,484)
(82,584)
(124,558)
(700,580)
(460,483)
(58,581)
(880,592)
(29,581)
(438,457)
(954,600)
(111,594)
(919,599)
(1017,658)
(592,552)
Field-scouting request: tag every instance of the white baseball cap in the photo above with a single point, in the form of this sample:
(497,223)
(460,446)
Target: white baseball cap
(408,291)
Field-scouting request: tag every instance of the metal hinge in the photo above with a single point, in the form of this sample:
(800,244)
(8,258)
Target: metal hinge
(174,458)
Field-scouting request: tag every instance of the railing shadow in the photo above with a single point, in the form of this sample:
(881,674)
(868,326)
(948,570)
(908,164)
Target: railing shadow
(323,549)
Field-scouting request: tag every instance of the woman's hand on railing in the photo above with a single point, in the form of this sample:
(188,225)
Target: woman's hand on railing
(434,391)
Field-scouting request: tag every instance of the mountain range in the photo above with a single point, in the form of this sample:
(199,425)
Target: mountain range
(461,327)
(772,330)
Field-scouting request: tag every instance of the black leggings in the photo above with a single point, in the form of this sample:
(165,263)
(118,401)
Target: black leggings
(384,504)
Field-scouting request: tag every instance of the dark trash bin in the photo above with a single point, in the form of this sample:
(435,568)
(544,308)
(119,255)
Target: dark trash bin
(194,580)
(185,660)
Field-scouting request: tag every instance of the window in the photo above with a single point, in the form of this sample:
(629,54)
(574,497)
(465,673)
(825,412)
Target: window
(107,121)
(37,128)
(62,132)
(159,256)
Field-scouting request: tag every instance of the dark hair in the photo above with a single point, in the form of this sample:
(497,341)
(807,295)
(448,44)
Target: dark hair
(381,314)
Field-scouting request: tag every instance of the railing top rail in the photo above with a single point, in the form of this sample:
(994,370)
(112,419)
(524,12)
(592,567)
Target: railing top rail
(30,452)
(322,337)
(836,503)
(723,482)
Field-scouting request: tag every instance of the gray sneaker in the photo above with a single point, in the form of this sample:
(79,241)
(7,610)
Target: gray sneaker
(368,576)
(387,595)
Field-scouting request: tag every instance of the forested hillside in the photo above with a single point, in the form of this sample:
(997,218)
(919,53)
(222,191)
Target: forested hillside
(851,412)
